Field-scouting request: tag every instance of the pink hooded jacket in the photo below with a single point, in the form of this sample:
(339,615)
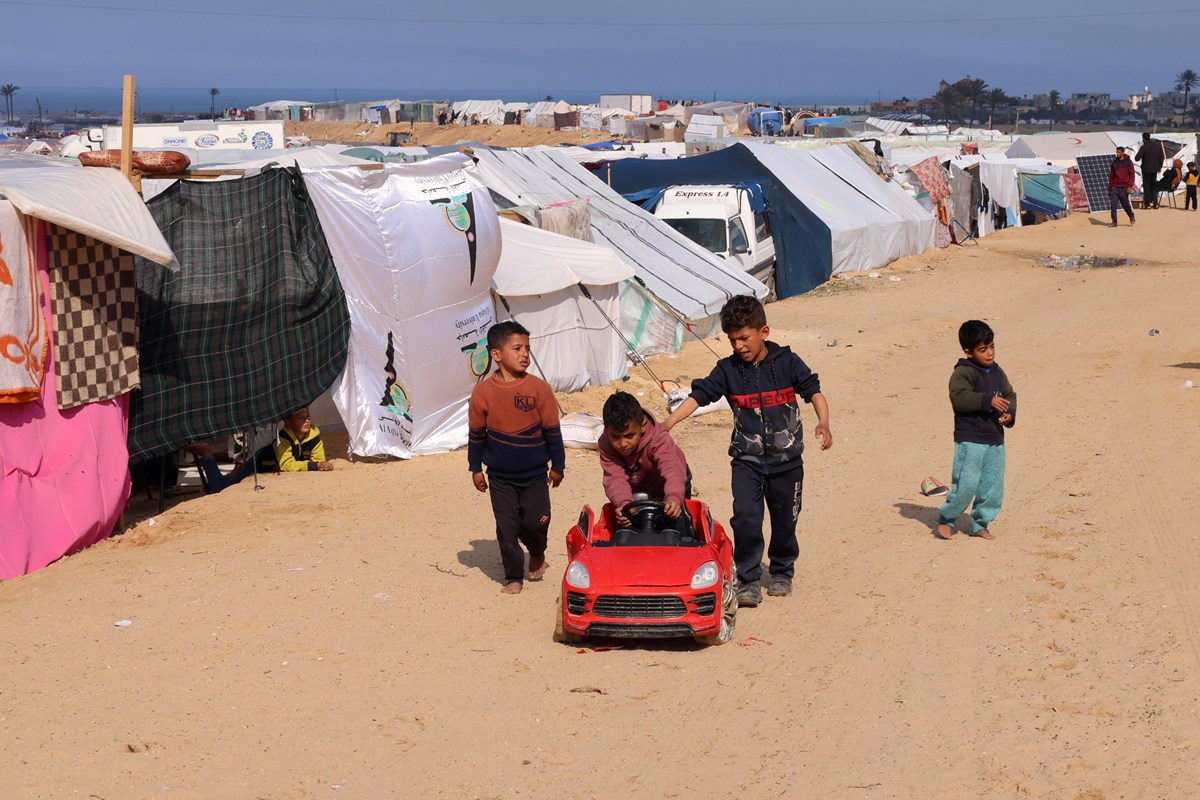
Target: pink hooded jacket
(658,467)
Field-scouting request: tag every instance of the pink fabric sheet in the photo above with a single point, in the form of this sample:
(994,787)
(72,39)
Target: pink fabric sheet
(64,475)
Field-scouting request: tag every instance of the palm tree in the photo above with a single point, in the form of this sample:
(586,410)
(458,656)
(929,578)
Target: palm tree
(8,90)
(1055,105)
(213,92)
(995,97)
(948,99)
(1185,82)
(976,88)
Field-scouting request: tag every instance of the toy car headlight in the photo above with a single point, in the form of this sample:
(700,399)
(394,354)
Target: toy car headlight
(705,575)
(577,576)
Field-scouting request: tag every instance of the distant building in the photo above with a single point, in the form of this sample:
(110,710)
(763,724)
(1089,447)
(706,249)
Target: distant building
(1136,101)
(1078,101)
(1174,98)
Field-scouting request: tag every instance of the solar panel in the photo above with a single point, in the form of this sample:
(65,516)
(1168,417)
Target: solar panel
(1093,170)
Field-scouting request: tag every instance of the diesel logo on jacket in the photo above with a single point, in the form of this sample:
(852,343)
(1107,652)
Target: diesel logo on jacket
(767,399)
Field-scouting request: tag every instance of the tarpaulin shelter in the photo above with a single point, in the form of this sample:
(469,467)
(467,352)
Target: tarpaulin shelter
(416,246)
(691,281)
(829,212)
(539,279)
(705,126)
(64,474)
(253,326)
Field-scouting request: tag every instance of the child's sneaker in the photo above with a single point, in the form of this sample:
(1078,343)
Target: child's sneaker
(749,595)
(780,586)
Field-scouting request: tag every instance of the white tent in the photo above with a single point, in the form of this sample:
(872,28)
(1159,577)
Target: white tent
(686,277)
(415,247)
(871,222)
(542,112)
(705,126)
(1062,148)
(479,112)
(538,277)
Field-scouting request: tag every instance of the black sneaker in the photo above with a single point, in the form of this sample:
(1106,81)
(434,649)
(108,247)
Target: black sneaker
(749,595)
(780,586)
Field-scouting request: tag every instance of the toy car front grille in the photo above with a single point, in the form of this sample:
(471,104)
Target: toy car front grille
(576,603)
(618,606)
(670,630)
(705,604)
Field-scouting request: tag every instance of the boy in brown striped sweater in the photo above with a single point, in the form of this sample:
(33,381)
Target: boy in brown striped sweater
(514,430)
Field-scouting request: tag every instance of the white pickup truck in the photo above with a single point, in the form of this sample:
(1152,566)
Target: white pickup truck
(719,219)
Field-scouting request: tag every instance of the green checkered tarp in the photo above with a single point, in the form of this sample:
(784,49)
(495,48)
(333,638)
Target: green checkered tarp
(252,326)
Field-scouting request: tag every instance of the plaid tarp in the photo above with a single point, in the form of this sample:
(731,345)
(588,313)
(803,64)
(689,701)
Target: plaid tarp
(94,302)
(252,326)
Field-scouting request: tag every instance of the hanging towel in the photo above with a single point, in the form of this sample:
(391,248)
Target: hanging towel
(94,302)
(23,337)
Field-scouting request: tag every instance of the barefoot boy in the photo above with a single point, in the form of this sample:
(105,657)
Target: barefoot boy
(514,430)
(984,405)
(639,456)
(762,381)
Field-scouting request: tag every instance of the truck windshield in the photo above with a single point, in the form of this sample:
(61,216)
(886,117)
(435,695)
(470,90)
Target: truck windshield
(708,233)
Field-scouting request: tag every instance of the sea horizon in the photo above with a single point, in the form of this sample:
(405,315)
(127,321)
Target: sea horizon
(59,100)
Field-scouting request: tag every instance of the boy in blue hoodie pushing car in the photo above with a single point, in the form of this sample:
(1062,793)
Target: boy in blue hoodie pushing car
(763,382)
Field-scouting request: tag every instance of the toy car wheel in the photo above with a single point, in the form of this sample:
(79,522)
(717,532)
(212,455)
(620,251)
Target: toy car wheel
(561,634)
(729,607)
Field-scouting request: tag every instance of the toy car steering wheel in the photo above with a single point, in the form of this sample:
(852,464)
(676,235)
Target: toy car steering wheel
(644,514)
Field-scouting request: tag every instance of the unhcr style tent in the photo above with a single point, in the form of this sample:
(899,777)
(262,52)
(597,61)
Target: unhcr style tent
(541,282)
(415,247)
(829,212)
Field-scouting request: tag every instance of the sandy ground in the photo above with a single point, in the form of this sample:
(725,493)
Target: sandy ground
(431,134)
(342,634)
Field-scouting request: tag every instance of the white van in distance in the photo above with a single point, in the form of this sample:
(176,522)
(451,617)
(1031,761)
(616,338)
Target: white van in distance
(719,219)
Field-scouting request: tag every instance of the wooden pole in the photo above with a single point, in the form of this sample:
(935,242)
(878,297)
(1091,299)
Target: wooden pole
(127,128)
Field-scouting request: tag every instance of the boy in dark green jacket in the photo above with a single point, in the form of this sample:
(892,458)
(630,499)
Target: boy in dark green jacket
(984,405)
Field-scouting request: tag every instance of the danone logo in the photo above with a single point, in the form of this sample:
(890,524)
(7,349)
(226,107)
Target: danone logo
(207,140)
(175,141)
(262,141)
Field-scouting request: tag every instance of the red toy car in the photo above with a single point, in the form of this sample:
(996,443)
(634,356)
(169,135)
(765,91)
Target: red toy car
(651,580)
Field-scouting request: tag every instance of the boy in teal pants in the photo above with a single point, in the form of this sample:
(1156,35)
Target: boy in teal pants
(984,405)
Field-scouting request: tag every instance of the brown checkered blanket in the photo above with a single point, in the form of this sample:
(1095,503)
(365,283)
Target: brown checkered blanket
(94,303)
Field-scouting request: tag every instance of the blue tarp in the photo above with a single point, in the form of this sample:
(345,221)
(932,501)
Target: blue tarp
(1042,192)
(803,243)
(765,121)
(600,146)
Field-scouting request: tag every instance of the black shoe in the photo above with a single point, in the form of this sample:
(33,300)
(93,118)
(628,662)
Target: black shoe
(780,586)
(749,595)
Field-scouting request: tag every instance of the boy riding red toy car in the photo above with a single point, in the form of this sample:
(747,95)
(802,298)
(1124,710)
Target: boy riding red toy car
(657,578)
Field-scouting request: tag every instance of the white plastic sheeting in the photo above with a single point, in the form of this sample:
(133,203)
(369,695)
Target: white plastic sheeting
(704,126)
(485,112)
(684,276)
(573,342)
(96,201)
(870,223)
(416,246)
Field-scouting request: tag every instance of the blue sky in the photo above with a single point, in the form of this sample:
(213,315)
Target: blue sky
(767,50)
